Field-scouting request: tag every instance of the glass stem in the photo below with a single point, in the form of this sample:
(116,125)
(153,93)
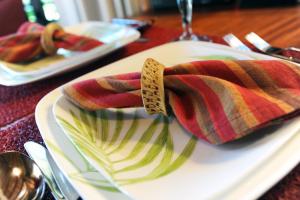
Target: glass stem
(186,9)
(187,28)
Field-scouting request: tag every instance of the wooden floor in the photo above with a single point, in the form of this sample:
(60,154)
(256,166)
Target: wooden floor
(279,26)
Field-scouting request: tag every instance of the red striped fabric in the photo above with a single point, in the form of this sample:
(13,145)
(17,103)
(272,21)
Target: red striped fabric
(218,101)
(25,44)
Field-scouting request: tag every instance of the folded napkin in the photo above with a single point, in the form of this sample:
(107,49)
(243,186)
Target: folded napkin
(218,101)
(27,43)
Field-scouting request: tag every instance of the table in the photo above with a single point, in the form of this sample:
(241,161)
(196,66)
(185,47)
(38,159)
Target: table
(17,104)
(279,26)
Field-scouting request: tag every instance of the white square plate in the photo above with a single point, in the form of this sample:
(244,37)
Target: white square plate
(240,170)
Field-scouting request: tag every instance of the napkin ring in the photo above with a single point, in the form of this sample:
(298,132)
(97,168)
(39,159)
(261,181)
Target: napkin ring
(152,87)
(47,38)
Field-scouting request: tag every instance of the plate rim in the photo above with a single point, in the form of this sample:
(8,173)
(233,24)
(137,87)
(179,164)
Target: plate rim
(255,194)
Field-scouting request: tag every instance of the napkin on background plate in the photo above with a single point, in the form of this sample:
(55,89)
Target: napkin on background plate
(218,101)
(25,44)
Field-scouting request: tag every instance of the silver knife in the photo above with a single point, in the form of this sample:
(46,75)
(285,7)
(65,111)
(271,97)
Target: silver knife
(234,42)
(57,182)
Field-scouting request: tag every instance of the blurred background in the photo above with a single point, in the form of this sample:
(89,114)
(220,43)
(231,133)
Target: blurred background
(69,12)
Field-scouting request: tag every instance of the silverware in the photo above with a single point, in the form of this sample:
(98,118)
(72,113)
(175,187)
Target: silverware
(67,189)
(20,177)
(265,47)
(234,42)
(59,185)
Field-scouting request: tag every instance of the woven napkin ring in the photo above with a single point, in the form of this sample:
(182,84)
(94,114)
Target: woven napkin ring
(47,38)
(152,86)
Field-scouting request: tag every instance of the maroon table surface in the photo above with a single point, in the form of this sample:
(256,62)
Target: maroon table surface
(17,106)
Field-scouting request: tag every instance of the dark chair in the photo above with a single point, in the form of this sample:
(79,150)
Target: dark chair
(12,15)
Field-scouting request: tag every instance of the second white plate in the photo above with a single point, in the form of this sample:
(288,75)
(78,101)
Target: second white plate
(114,36)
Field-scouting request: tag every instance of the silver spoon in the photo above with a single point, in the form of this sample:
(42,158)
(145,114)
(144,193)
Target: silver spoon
(20,177)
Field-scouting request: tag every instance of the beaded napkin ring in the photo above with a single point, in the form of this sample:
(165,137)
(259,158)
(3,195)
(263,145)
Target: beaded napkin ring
(152,86)
(47,38)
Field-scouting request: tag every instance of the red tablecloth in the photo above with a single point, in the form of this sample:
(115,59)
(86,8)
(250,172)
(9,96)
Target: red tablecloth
(17,105)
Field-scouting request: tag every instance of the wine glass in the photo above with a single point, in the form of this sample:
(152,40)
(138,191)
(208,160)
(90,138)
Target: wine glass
(186,9)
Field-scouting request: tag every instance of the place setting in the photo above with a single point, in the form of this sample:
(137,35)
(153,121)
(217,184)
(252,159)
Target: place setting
(32,65)
(192,118)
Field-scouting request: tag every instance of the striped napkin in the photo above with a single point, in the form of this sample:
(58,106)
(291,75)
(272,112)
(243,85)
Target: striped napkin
(25,44)
(218,101)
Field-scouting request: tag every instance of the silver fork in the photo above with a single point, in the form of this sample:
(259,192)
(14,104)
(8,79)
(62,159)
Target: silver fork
(265,47)
(234,42)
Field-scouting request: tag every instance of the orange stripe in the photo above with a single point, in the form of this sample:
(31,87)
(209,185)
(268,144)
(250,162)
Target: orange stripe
(262,109)
(191,99)
(293,67)
(104,84)
(251,84)
(237,100)
(191,117)
(213,103)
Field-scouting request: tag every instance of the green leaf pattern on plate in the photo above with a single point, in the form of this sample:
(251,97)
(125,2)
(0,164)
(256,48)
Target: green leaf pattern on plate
(87,174)
(152,148)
